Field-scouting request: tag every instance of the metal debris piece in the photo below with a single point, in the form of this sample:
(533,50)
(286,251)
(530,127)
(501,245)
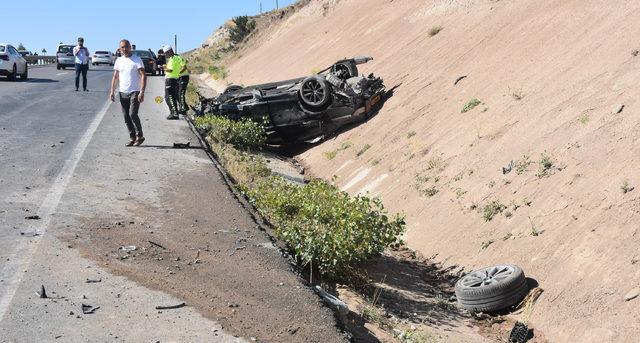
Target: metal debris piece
(88,309)
(93,280)
(459,79)
(34,217)
(171,307)
(332,301)
(506,170)
(181,145)
(128,248)
(156,244)
(43,293)
(30,234)
(519,333)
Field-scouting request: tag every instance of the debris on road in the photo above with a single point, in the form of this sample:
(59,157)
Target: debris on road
(519,333)
(128,248)
(93,280)
(156,244)
(634,293)
(88,309)
(43,293)
(30,234)
(459,79)
(181,145)
(34,217)
(171,307)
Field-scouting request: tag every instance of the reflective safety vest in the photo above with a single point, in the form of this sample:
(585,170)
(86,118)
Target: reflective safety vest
(175,63)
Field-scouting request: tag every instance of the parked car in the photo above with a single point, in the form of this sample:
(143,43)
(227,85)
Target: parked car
(64,56)
(12,64)
(25,53)
(148,59)
(306,108)
(102,57)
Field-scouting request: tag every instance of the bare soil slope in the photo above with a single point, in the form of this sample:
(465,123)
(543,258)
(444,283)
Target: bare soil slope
(551,77)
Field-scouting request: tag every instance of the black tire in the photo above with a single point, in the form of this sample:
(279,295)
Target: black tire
(25,75)
(315,93)
(58,66)
(347,70)
(491,289)
(14,73)
(64,68)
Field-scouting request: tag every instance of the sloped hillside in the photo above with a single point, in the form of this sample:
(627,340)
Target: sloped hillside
(557,86)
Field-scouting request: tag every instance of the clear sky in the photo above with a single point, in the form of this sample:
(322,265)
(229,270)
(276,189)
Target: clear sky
(43,24)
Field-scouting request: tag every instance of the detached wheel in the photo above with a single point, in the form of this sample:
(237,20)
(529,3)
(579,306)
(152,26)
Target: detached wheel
(491,289)
(315,93)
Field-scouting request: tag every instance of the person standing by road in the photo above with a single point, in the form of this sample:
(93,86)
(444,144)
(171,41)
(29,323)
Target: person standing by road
(129,73)
(81,54)
(174,67)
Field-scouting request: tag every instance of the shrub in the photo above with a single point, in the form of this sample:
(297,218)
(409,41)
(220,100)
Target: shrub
(218,73)
(545,165)
(243,26)
(491,209)
(362,151)
(435,30)
(325,227)
(244,134)
(470,105)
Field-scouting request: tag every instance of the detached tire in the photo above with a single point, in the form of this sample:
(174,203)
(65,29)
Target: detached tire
(491,289)
(315,93)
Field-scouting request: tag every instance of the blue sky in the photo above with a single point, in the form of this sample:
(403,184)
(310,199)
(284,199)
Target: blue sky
(148,24)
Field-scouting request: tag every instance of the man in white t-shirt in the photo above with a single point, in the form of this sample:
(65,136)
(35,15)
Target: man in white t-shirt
(81,54)
(129,73)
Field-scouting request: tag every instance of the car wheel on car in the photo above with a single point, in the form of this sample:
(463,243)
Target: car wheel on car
(491,289)
(231,89)
(25,75)
(14,73)
(315,93)
(58,66)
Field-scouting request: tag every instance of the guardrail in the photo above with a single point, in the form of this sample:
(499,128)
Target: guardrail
(40,60)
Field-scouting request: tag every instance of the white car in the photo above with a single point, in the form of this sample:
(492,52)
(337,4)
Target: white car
(64,56)
(12,63)
(102,57)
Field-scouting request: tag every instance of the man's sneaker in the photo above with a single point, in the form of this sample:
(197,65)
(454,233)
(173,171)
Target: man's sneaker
(76,89)
(86,90)
(139,141)
(131,142)
(173,117)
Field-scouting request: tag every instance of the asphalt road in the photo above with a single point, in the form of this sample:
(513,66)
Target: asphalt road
(63,159)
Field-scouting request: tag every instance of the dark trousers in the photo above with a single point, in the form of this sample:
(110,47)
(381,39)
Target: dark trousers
(171,94)
(81,69)
(130,105)
(183,82)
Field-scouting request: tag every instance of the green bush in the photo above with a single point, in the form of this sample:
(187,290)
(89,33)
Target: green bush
(243,26)
(244,134)
(325,227)
(218,73)
(470,105)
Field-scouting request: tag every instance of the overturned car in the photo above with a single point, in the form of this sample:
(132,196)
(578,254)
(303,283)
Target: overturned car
(306,108)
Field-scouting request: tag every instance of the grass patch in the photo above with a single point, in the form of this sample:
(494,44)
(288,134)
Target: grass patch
(411,134)
(522,164)
(491,209)
(625,187)
(218,72)
(486,244)
(544,165)
(330,155)
(363,150)
(435,30)
(245,134)
(584,118)
(192,97)
(470,105)
(375,162)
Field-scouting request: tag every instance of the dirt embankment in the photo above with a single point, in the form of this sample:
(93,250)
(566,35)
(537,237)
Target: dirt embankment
(552,78)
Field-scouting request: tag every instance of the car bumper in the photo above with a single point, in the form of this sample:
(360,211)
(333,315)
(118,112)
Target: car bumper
(101,60)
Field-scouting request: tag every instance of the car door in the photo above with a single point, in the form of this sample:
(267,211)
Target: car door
(17,59)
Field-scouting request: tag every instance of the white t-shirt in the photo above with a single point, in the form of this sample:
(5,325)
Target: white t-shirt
(81,55)
(128,73)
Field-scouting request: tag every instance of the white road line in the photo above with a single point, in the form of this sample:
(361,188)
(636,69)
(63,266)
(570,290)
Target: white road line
(18,265)
(65,73)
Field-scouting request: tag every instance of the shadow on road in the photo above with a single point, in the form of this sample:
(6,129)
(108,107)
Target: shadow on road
(35,80)
(170,147)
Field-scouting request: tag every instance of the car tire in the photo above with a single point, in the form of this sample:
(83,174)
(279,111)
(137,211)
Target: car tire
(25,75)
(58,66)
(491,289)
(315,93)
(349,70)
(14,73)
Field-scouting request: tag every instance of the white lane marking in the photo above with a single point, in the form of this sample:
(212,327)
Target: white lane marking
(47,208)
(65,73)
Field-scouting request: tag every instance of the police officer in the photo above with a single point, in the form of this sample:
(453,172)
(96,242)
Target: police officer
(174,68)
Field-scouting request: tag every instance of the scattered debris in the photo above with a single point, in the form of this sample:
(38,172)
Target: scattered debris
(519,333)
(93,280)
(618,109)
(506,170)
(332,301)
(459,79)
(34,217)
(156,244)
(181,145)
(43,293)
(241,247)
(88,309)
(171,307)
(634,293)
(30,234)
(128,248)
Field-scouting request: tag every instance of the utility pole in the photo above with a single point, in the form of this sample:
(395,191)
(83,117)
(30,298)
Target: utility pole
(175,43)
(277,4)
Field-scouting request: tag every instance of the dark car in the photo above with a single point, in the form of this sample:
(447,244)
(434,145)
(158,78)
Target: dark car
(306,108)
(148,59)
